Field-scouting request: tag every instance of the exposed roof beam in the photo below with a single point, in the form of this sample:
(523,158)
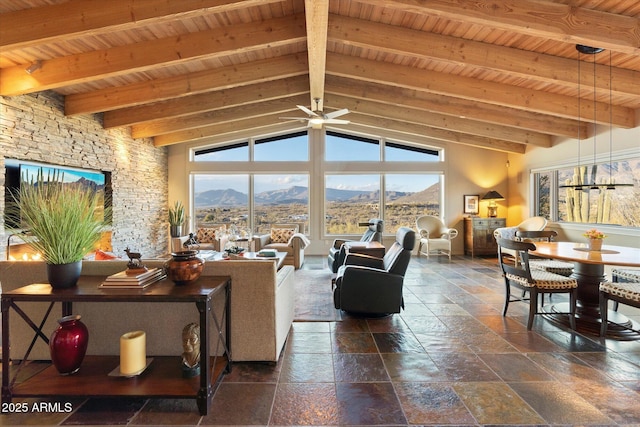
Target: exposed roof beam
(437,134)
(173,87)
(246,127)
(317,17)
(441,121)
(455,106)
(202,120)
(28,27)
(513,62)
(142,56)
(208,101)
(545,19)
(477,90)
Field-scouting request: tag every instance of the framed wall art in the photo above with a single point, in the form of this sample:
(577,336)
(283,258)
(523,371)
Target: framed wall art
(471,203)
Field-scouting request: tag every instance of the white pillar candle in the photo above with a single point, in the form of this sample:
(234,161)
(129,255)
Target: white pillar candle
(133,352)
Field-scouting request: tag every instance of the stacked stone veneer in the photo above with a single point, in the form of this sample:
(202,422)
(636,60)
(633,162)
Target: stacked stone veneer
(34,127)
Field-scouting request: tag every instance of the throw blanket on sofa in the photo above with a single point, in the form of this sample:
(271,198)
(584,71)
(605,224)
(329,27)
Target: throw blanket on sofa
(304,240)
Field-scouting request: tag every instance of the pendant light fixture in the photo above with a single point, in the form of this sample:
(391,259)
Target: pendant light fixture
(593,185)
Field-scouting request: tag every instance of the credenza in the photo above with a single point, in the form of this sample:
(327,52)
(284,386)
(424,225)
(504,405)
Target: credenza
(478,235)
(161,379)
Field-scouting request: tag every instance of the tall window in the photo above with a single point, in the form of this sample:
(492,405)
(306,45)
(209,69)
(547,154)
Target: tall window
(280,199)
(221,200)
(581,202)
(349,200)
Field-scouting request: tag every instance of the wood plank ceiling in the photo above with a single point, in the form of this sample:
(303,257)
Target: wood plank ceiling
(495,74)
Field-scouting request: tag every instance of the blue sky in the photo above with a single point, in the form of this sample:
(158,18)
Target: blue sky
(296,149)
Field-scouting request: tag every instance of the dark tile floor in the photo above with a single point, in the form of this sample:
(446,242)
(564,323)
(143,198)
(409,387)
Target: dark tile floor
(449,359)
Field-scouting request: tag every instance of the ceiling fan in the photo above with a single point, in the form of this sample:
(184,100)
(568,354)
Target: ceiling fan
(317,118)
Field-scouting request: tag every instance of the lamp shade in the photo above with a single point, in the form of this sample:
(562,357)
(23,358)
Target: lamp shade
(492,195)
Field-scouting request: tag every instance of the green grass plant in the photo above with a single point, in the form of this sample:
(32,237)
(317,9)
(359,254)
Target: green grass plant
(61,218)
(176,214)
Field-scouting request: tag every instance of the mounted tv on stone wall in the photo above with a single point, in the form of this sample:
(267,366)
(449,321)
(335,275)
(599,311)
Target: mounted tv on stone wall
(18,172)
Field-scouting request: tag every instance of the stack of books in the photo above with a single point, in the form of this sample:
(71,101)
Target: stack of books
(124,279)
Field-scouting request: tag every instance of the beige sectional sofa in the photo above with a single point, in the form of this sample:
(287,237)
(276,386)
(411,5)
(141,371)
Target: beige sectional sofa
(262,309)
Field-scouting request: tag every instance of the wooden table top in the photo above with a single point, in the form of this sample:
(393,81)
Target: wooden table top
(579,252)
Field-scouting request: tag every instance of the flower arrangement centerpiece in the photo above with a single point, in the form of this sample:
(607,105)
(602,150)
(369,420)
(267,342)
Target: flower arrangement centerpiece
(595,239)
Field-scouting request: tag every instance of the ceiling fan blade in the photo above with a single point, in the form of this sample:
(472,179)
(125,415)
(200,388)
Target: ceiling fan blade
(308,111)
(337,122)
(334,114)
(301,119)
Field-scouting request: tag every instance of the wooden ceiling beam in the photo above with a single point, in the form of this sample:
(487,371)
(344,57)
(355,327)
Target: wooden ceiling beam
(190,84)
(513,62)
(143,56)
(74,19)
(441,121)
(208,101)
(477,90)
(317,17)
(437,134)
(457,107)
(538,18)
(202,120)
(232,122)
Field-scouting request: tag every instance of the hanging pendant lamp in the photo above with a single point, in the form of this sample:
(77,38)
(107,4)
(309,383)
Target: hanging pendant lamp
(589,50)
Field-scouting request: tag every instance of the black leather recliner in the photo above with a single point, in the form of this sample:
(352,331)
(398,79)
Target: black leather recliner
(373,286)
(337,251)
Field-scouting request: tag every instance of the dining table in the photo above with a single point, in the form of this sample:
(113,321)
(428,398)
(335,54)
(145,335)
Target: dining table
(589,271)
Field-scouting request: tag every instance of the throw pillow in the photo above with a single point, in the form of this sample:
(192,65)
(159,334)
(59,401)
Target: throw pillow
(281,235)
(206,235)
(104,256)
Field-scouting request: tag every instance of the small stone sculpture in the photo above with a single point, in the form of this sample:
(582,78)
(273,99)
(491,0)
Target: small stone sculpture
(191,350)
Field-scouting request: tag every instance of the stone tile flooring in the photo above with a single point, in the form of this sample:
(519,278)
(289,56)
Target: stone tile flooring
(449,359)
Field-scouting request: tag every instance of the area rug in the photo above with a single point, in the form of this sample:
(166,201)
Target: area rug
(314,296)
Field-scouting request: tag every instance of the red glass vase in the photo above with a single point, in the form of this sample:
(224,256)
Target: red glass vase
(68,344)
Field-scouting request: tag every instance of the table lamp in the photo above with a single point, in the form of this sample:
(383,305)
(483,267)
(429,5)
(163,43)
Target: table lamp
(492,196)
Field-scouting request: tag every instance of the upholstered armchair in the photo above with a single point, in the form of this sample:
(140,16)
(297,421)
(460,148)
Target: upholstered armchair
(285,238)
(337,251)
(208,238)
(435,236)
(535,223)
(373,286)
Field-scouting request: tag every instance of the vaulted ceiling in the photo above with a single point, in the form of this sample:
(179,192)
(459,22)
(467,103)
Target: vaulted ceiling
(495,74)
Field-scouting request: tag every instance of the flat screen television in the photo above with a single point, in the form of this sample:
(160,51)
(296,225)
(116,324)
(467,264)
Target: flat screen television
(19,173)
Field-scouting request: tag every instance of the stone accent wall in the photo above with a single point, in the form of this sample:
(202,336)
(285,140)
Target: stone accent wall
(33,127)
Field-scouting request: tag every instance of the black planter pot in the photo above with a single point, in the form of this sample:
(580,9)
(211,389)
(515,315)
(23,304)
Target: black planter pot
(63,276)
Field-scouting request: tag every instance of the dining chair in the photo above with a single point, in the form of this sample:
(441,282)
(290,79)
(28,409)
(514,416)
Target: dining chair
(624,275)
(627,293)
(551,265)
(536,282)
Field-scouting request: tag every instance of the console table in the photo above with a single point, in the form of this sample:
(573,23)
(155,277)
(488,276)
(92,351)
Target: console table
(162,378)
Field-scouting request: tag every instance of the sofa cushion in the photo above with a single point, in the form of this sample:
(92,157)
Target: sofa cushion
(281,235)
(206,235)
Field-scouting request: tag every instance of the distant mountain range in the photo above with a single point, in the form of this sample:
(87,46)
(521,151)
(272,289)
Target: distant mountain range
(299,194)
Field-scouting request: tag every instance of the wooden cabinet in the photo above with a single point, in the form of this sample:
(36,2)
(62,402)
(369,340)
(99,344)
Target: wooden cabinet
(478,235)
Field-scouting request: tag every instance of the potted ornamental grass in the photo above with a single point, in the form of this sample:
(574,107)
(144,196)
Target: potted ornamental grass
(64,222)
(176,219)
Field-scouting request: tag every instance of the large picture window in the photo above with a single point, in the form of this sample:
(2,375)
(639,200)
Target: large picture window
(569,194)
(350,179)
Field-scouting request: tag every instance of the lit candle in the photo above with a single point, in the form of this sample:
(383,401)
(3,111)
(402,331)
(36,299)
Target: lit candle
(133,357)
